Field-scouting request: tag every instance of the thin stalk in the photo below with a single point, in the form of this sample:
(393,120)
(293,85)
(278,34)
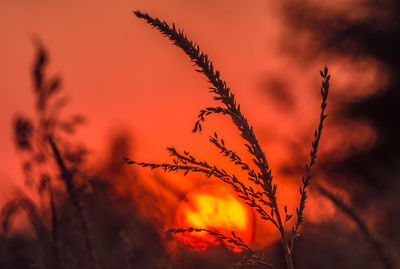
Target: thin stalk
(67,177)
(376,245)
(54,230)
(306,180)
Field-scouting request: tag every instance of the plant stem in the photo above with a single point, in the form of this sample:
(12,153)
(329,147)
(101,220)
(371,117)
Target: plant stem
(67,176)
(287,252)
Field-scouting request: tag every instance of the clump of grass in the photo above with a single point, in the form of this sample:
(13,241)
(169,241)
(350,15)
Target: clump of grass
(35,138)
(264,201)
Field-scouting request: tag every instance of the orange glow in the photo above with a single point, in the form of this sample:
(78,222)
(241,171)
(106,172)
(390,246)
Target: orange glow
(124,77)
(217,209)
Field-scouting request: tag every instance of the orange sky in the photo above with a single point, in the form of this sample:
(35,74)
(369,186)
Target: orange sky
(121,74)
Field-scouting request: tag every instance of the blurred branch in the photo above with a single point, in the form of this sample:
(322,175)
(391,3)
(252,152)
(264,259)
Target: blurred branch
(376,245)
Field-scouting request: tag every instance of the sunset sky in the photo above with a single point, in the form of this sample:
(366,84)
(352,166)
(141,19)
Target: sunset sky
(126,78)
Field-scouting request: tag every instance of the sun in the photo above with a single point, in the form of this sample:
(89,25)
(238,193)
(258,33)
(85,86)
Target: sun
(214,208)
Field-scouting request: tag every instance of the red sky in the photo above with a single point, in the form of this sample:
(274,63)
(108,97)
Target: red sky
(122,75)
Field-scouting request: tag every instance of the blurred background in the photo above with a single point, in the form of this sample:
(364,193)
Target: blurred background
(139,94)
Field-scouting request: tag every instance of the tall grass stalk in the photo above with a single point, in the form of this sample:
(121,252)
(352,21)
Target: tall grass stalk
(265,201)
(73,194)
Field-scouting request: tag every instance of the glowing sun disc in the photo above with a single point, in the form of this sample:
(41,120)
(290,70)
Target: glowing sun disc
(214,208)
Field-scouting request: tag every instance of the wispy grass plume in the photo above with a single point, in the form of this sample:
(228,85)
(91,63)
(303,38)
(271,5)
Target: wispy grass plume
(265,201)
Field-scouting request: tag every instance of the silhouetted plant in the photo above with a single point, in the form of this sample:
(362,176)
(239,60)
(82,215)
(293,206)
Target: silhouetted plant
(377,246)
(264,201)
(35,139)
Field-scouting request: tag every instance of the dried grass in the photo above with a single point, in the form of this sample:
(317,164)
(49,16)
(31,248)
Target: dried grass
(264,201)
(35,141)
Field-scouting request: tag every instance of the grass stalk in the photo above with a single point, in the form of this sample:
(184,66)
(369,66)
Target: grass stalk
(54,229)
(306,180)
(376,245)
(229,107)
(67,177)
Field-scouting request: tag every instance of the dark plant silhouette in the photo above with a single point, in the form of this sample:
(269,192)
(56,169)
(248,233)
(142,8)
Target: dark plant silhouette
(35,140)
(263,201)
(79,219)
